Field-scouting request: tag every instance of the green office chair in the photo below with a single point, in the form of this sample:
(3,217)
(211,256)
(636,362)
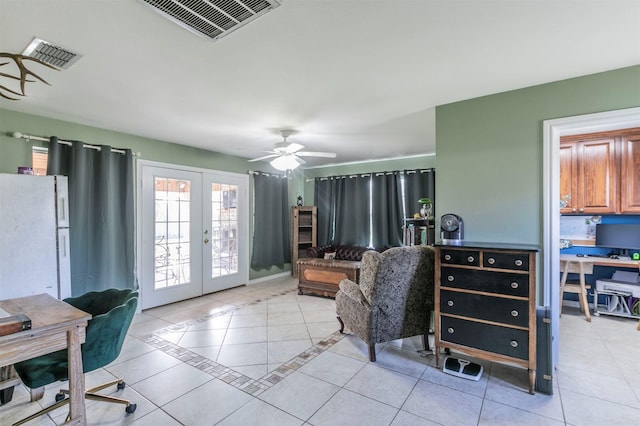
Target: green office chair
(112,312)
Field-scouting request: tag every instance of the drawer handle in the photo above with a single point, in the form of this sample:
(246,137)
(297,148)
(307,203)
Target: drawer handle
(514,343)
(450,302)
(470,259)
(491,261)
(450,330)
(514,285)
(447,257)
(514,313)
(450,278)
(518,262)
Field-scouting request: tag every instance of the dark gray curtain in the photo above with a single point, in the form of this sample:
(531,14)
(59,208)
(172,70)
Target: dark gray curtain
(325,190)
(418,184)
(386,212)
(352,211)
(346,217)
(271,230)
(101,214)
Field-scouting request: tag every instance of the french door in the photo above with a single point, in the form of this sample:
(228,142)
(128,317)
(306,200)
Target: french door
(194,232)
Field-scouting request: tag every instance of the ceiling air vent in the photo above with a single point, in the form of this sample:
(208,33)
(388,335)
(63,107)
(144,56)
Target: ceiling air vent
(53,55)
(212,18)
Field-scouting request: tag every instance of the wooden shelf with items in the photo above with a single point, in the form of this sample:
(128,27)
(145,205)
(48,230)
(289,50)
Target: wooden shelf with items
(600,173)
(304,220)
(418,231)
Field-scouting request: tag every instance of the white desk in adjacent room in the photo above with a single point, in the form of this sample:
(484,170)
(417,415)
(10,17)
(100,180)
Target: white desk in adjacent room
(584,266)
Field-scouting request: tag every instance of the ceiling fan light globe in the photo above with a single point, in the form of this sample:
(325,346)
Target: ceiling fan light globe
(286,162)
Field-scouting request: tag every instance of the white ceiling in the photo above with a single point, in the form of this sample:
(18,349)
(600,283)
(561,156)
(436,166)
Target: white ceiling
(357,77)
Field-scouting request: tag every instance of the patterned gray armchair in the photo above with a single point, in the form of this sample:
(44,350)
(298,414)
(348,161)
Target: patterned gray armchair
(394,299)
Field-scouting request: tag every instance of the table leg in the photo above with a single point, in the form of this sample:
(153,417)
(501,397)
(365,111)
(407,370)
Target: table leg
(532,381)
(6,395)
(76,377)
(583,293)
(564,266)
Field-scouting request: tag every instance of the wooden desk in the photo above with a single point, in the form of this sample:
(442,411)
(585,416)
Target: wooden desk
(600,261)
(55,325)
(586,263)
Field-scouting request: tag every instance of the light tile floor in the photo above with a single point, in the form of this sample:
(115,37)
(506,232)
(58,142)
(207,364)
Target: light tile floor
(263,355)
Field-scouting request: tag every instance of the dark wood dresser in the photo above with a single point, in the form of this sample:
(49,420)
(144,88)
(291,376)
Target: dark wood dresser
(485,302)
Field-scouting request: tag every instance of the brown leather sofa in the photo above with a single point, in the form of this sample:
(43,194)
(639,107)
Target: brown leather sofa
(353,253)
(318,274)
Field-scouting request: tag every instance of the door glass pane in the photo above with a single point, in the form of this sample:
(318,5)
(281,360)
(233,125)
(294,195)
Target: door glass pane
(224,229)
(172,226)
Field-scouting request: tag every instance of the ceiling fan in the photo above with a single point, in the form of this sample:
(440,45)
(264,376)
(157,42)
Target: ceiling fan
(286,155)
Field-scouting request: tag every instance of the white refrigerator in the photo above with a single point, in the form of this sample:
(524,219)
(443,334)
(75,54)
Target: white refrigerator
(34,236)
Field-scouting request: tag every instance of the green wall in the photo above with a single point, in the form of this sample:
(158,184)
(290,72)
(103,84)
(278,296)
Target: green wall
(17,152)
(490,151)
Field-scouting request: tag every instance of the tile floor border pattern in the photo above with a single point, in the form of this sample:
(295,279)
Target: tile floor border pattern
(238,380)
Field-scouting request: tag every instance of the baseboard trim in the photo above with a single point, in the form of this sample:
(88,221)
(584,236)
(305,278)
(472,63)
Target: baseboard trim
(269,277)
(571,303)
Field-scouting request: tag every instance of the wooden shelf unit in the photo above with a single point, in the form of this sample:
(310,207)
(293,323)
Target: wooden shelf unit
(304,232)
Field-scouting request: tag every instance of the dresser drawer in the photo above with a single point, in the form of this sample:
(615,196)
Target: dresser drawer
(490,281)
(514,261)
(460,257)
(491,338)
(496,309)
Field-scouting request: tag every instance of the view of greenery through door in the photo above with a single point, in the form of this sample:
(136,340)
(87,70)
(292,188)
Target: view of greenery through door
(172,230)
(224,229)
(172,236)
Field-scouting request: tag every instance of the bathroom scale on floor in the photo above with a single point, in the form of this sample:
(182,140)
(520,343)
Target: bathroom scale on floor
(462,368)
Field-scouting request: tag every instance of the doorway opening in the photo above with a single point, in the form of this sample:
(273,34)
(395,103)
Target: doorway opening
(552,131)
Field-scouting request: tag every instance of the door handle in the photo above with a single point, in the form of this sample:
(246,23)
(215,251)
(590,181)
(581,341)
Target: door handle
(206,240)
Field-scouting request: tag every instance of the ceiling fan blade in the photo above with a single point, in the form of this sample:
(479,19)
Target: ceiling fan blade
(293,147)
(263,158)
(316,154)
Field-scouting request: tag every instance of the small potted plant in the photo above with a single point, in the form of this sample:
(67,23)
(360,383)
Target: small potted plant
(427,206)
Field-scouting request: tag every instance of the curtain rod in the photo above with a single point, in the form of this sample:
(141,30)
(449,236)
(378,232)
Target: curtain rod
(370,174)
(29,137)
(251,172)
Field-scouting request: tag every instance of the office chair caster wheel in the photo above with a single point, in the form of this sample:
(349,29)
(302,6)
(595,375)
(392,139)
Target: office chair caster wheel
(131,408)
(121,385)
(59,397)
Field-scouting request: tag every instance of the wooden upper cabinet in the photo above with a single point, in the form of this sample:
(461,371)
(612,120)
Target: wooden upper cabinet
(630,174)
(600,172)
(568,178)
(597,176)
(588,176)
